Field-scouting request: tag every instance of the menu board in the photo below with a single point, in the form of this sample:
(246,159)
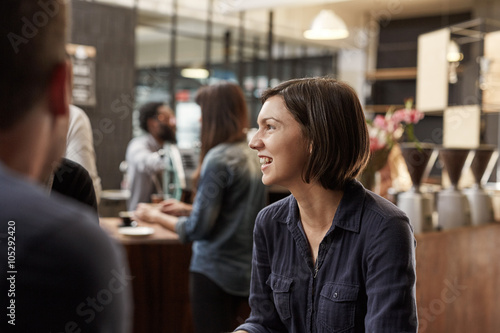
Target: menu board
(461,126)
(83,58)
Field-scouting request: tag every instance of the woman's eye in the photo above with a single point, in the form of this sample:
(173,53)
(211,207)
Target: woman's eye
(270,127)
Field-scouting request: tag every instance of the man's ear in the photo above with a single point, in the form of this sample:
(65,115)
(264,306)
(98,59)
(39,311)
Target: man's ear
(58,90)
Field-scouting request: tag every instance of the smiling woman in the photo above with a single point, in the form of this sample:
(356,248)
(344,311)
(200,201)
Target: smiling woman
(332,256)
(319,126)
(284,149)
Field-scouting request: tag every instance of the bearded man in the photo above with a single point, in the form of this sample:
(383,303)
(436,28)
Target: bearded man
(146,159)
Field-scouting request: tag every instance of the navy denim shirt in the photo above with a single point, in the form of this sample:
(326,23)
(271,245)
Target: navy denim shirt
(229,196)
(364,278)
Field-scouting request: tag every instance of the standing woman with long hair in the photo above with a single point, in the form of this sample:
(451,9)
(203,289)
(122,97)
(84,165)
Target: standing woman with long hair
(221,220)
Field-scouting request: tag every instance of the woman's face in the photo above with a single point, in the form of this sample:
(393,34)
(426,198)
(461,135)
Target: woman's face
(281,146)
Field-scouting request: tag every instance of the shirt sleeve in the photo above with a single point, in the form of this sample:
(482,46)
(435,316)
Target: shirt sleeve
(80,146)
(214,179)
(264,316)
(390,279)
(144,160)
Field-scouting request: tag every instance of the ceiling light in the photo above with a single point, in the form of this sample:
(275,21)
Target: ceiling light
(327,25)
(454,54)
(195,73)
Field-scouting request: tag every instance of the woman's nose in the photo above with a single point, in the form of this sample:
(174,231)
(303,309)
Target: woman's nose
(255,141)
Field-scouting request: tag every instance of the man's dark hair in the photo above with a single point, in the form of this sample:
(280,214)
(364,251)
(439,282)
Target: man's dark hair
(30,48)
(333,122)
(148,111)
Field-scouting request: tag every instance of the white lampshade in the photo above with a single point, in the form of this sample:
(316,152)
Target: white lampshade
(454,54)
(327,25)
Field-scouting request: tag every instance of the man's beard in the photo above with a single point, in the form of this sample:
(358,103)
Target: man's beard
(167,134)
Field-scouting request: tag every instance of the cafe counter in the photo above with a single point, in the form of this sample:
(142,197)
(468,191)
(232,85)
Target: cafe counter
(159,265)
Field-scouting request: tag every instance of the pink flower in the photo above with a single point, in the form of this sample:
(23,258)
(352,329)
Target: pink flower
(398,116)
(380,122)
(386,130)
(375,144)
(408,116)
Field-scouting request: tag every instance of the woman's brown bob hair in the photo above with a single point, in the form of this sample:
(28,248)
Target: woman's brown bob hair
(332,120)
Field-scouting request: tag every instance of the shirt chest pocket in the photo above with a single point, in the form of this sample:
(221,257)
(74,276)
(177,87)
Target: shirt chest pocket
(281,287)
(337,307)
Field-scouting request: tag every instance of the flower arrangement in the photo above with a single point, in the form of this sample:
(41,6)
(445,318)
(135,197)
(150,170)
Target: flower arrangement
(386,130)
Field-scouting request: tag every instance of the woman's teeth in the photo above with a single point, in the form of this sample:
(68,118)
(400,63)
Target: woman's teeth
(265,160)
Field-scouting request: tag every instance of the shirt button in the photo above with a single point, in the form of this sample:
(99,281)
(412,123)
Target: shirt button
(336,295)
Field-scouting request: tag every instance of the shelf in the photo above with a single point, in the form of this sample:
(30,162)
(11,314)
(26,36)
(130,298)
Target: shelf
(402,73)
(382,108)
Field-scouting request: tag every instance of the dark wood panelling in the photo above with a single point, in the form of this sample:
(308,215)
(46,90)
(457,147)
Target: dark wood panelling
(398,39)
(397,48)
(111,30)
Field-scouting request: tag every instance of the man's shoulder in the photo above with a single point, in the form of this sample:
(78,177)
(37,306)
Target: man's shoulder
(141,139)
(65,258)
(77,115)
(141,143)
(35,212)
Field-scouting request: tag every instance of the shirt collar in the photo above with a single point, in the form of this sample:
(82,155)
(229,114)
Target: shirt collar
(348,215)
(152,141)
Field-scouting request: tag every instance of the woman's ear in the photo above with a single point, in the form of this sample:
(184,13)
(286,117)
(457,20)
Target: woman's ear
(58,90)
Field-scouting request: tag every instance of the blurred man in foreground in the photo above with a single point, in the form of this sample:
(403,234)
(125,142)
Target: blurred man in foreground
(59,271)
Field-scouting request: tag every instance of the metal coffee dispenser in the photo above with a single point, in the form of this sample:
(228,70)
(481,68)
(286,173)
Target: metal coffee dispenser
(452,204)
(481,204)
(418,206)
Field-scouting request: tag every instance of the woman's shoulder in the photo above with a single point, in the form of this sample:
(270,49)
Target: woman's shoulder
(227,148)
(381,216)
(382,206)
(367,209)
(231,154)
(278,211)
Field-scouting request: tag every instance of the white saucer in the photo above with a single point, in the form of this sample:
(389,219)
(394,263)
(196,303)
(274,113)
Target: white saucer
(136,231)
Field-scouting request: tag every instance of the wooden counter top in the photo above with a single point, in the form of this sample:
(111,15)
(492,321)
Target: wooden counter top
(160,235)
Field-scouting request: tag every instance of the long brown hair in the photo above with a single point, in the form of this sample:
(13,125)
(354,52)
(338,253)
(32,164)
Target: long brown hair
(224,116)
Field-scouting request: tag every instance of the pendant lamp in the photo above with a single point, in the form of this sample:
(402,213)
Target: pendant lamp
(327,25)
